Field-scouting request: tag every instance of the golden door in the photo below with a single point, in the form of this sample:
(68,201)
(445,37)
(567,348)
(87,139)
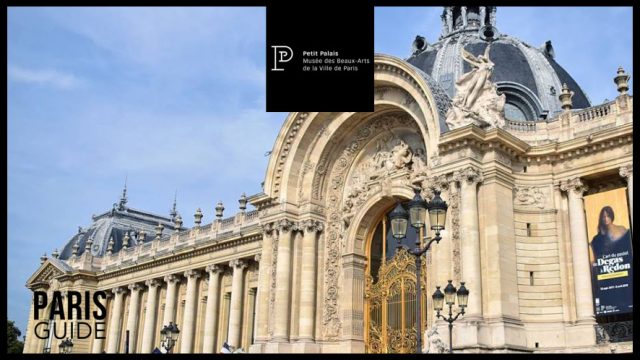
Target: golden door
(390,295)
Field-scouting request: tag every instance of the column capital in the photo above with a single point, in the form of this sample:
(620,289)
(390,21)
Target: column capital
(267,228)
(439,182)
(238,264)
(575,184)
(214,269)
(311,226)
(192,273)
(135,287)
(470,175)
(119,290)
(284,225)
(257,258)
(626,171)
(173,278)
(153,283)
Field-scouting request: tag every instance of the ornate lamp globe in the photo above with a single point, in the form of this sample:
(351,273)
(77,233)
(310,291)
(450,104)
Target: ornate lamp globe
(438,299)
(399,220)
(169,334)
(66,346)
(450,293)
(417,210)
(463,295)
(437,212)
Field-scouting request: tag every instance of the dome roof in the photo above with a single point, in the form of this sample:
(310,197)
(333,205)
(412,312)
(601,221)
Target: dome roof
(529,77)
(114,224)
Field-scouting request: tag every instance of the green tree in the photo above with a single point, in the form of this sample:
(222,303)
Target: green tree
(14,346)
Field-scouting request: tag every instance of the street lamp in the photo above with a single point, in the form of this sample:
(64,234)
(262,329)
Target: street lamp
(449,297)
(399,219)
(66,346)
(169,336)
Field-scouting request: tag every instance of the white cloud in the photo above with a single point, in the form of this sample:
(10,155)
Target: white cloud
(48,77)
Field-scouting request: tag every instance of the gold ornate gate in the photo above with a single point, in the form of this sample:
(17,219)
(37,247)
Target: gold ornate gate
(391,306)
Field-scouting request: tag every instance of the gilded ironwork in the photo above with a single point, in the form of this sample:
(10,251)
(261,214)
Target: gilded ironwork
(391,306)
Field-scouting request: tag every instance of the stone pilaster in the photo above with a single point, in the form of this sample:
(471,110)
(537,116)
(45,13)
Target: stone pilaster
(211,312)
(151,313)
(134,315)
(235,313)
(353,321)
(189,318)
(470,239)
(113,339)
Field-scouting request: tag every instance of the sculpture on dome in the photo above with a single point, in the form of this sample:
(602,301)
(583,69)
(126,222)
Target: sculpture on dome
(477,100)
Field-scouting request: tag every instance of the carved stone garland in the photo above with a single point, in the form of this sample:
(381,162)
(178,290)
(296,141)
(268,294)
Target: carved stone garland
(454,212)
(272,294)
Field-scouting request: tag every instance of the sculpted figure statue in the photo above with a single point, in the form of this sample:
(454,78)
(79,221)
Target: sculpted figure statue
(419,167)
(473,82)
(401,155)
(477,100)
(434,344)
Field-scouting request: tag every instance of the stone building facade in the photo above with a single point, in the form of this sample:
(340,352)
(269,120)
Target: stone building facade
(303,271)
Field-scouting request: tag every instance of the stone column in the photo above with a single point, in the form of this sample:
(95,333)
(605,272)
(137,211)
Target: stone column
(308,280)
(264,284)
(627,172)
(148,334)
(470,240)
(579,250)
(211,313)
(235,312)
(283,282)
(98,343)
(134,315)
(483,15)
(189,318)
(170,301)
(113,339)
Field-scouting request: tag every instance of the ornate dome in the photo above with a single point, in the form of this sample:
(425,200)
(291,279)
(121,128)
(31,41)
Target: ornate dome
(114,224)
(529,77)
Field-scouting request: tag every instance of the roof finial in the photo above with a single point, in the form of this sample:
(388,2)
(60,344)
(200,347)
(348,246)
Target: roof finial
(43,258)
(174,212)
(622,81)
(123,198)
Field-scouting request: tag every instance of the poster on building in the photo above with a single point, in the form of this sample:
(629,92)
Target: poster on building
(610,251)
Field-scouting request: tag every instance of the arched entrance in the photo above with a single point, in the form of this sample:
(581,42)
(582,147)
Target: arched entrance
(390,291)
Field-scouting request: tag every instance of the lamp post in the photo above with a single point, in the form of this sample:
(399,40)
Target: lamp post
(449,297)
(400,219)
(169,336)
(66,346)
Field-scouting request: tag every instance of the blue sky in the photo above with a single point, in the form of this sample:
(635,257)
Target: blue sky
(174,98)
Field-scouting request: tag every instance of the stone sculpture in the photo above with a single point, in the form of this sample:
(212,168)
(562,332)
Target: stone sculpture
(477,100)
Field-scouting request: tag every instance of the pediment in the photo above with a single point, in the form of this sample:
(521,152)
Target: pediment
(47,272)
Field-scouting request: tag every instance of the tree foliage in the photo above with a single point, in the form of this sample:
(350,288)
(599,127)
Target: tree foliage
(14,345)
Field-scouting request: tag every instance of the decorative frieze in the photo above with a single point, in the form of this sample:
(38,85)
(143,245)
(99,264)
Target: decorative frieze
(530,196)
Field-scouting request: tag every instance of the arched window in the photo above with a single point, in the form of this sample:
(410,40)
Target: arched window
(521,103)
